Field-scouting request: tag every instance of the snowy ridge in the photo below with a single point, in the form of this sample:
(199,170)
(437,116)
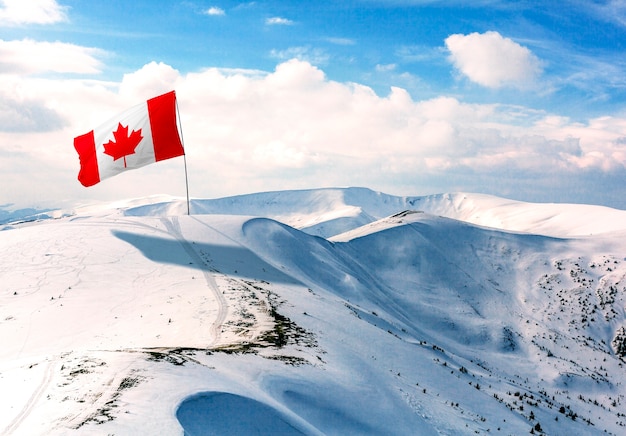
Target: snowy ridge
(328,212)
(140,319)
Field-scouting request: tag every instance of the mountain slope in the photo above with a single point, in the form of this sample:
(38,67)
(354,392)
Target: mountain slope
(143,320)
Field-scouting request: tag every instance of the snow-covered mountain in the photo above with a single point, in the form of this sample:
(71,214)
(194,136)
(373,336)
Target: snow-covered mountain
(328,212)
(329,311)
(8,215)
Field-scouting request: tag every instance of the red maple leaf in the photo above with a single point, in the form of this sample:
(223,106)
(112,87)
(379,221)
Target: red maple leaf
(124,144)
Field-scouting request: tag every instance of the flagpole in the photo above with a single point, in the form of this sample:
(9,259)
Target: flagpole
(184,157)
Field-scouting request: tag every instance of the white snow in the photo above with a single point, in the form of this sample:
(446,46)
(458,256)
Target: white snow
(329,311)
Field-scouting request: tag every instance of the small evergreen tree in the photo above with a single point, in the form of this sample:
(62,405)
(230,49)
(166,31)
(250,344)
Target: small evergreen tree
(619,342)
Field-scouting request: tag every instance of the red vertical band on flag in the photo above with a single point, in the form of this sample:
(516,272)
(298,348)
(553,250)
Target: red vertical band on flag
(165,137)
(85,145)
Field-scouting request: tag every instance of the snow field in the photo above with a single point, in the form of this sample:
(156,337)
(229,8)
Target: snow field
(140,319)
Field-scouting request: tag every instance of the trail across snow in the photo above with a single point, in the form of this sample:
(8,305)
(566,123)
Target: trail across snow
(173,226)
(34,398)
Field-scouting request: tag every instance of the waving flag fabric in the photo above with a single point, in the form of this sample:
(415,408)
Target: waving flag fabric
(142,135)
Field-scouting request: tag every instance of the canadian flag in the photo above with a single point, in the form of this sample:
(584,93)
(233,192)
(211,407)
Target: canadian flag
(141,135)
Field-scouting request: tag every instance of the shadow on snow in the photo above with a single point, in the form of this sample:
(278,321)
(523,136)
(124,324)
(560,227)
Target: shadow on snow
(221,413)
(236,261)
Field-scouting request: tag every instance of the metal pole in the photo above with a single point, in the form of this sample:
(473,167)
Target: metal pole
(180,126)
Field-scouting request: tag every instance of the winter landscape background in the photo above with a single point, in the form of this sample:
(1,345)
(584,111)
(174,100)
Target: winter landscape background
(324,311)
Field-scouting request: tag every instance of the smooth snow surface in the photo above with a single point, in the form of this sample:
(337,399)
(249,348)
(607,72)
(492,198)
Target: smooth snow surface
(331,311)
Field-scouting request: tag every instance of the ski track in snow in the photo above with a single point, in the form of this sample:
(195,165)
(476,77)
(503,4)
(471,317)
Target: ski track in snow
(173,226)
(34,398)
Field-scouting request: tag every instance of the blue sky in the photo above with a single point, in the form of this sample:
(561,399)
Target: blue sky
(524,99)
(580,45)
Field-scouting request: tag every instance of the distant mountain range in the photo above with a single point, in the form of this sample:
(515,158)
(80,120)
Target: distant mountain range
(8,215)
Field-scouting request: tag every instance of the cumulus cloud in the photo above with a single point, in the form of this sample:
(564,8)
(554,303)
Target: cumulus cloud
(152,79)
(493,61)
(27,56)
(291,128)
(296,118)
(16,12)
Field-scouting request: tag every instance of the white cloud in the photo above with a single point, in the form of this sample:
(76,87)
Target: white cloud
(16,12)
(297,113)
(154,78)
(279,154)
(215,11)
(249,131)
(278,21)
(32,57)
(492,60)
